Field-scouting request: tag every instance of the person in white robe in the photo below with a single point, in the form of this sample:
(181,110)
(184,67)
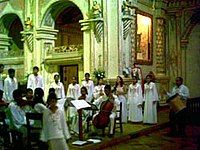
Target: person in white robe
(120,90)
(10,84)
(89,84)
(73,93)
(55,129)
(35,80)
(113,99)
(98,89)
(59,90)
(135,101)
(150,100)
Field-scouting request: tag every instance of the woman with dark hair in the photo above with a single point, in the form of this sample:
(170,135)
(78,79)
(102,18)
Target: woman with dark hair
(135,101)
(98,89)
(150,99)
(120,91)
(38,103)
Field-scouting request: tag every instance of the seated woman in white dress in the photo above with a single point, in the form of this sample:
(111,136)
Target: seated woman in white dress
(120,90)
(38,103)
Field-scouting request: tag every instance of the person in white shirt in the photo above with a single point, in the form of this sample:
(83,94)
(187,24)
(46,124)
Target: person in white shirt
(59,90)
(98,89)
(73,93)
(110,100)
(1,77)
(55,128)
(89,84)
(10,84)
(179,118)
(35,80)
(135,100)
(16,114)
(150,99)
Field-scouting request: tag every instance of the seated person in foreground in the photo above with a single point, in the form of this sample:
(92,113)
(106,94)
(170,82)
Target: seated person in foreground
(106,116)
(16,114)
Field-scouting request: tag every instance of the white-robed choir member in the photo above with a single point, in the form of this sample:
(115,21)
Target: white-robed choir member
(59,90)
(98,89)
(10,84)
(73,93)
(135,100)
(89,84)
(150,99)
(120,90)
(35,80)
(113,99)
(54,125)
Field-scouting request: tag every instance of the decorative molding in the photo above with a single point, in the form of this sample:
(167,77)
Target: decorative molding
(46,33)
(28,38)
(98,27)
(160,46)
(127,20)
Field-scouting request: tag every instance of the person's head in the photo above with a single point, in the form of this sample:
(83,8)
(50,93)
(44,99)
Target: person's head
(56,77)
(1,95)
(38,96)
(11,72)
(135,80)
(179,81)
(1,68)
(74,80)
(107,89)
(100,81)
(17,96)
(28,19)
(52,90)
(148,78)
(84,91)
(119,81)
(35,70)
(38,93)
(95,2)
(52,100)
(87,76)
(29,93)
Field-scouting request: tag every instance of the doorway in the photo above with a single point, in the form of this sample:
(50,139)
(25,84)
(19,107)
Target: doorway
(66,74)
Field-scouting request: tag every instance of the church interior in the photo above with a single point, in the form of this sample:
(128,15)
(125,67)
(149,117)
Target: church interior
(74,37)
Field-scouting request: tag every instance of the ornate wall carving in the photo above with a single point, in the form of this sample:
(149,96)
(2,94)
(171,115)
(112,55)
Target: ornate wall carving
(160,46)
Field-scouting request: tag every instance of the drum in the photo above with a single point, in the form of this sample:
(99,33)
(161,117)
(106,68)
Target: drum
(176,103)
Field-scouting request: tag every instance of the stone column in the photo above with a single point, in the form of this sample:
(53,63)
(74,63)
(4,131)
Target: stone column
(86,27)
(4,44)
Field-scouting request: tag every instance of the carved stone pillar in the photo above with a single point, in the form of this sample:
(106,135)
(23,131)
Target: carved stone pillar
(160,47)
(4,45)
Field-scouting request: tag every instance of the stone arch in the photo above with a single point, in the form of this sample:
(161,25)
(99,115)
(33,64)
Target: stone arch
(10,28)
(190,25)
(50,13)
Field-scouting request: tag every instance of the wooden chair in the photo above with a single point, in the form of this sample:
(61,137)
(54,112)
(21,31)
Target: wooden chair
(118,120)
(33,129)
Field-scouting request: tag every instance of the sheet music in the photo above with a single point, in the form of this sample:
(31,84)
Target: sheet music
(79,104)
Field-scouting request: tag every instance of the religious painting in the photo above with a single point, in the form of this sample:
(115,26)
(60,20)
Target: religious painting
(144,39)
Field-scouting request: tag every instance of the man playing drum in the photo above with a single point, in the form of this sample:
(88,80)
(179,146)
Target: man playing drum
(178,116)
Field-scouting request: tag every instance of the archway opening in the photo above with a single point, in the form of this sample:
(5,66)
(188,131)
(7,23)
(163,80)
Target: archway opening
(67,23)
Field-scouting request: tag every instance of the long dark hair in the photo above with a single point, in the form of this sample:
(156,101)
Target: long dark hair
(38,96)
(116,83)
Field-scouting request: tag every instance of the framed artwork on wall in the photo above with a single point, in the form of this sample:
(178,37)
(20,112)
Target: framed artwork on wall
(144,40)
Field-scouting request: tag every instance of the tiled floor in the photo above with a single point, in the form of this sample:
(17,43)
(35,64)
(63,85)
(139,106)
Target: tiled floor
(130,130)
(161,141)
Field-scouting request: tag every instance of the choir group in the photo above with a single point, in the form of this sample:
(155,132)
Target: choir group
(139,103)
